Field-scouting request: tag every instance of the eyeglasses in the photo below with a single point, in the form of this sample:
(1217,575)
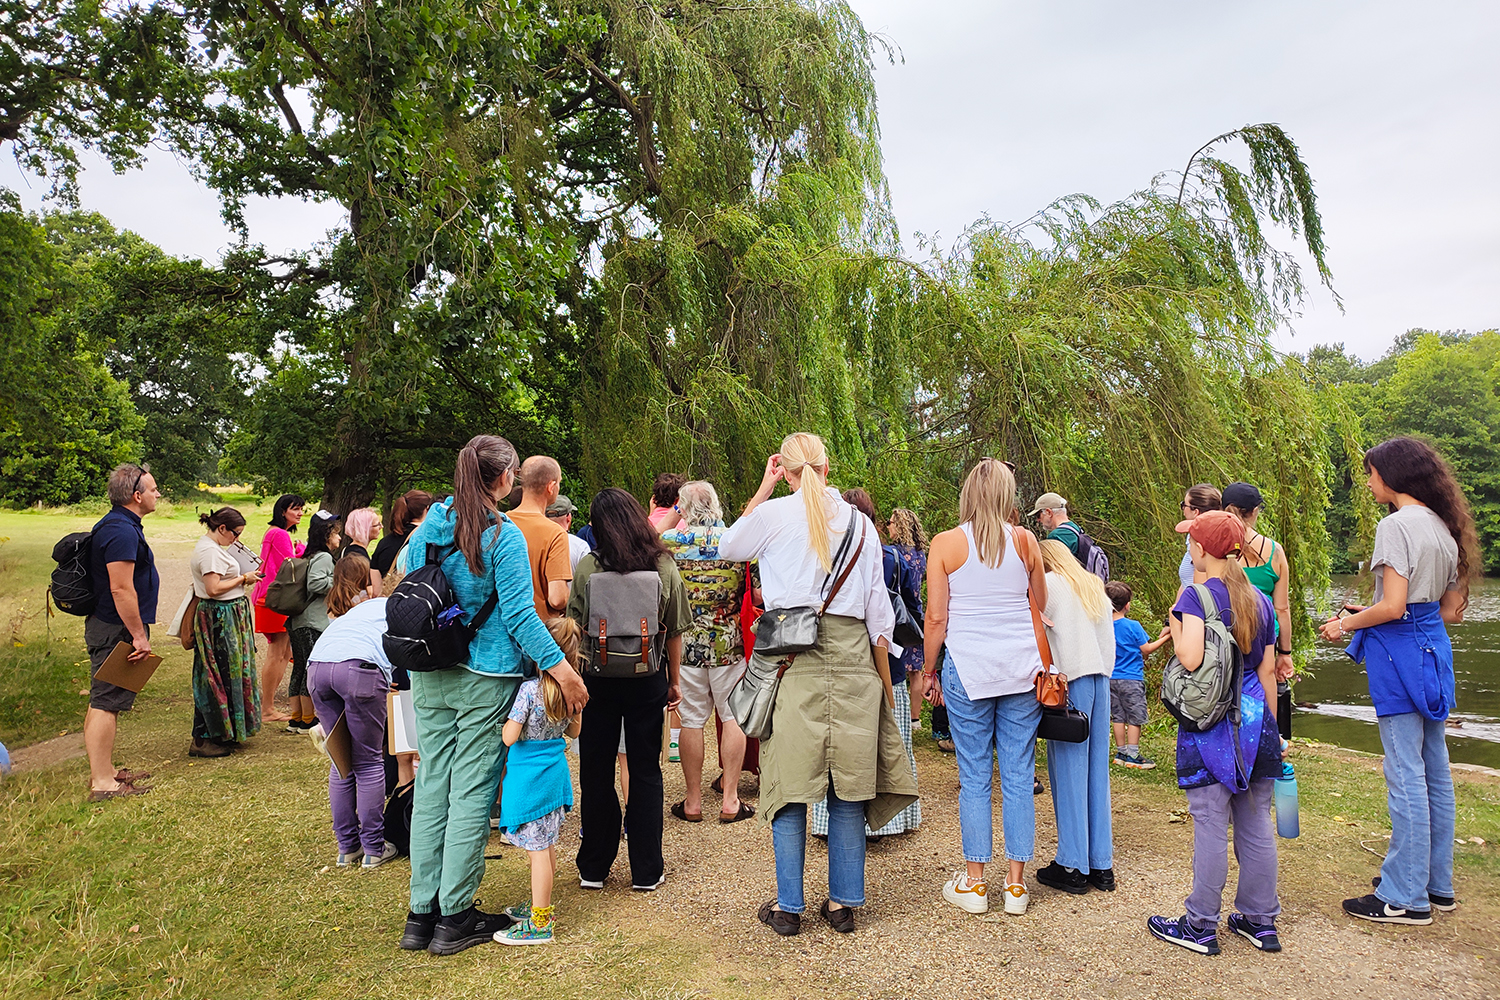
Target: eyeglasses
(1188,506)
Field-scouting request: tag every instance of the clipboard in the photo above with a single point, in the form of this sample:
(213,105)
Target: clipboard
(118,669)
(400,723)
(339,747)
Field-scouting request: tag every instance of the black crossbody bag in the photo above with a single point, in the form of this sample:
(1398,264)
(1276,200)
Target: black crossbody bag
(781,631)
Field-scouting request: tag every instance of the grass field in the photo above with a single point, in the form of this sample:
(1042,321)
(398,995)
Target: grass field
(220,882)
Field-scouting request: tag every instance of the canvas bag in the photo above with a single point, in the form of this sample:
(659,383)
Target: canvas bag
(1200,699)
(287,594)
(624,627)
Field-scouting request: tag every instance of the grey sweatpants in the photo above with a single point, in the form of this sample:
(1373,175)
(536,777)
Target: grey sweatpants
(1213,809)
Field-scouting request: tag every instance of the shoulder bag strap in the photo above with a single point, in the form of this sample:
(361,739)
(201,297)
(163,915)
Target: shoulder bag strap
(1043,645)
(838,556)
(848,568)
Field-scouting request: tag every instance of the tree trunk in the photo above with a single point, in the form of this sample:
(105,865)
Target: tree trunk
(353,473)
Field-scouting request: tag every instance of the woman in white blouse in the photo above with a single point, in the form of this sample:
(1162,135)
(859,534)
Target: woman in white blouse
(1082,636)
(226,695)
(833,736)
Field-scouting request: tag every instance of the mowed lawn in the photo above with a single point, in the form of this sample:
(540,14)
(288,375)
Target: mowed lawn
(220,883)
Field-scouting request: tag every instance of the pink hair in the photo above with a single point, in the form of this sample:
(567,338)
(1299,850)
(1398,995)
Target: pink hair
(362,525)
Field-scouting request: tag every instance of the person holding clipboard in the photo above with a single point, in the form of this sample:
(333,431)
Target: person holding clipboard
(125,584)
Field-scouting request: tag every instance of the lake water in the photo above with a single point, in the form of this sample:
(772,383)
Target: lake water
(1338,688)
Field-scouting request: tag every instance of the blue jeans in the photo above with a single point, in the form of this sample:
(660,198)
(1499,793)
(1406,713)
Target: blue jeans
(846,852)
(983,729)
(1080,783)
(1419,792)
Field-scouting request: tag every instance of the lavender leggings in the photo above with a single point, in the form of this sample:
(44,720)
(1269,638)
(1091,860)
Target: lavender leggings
(355,690)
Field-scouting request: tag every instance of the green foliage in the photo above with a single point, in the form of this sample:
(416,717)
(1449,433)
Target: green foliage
(64,420)
(84,73)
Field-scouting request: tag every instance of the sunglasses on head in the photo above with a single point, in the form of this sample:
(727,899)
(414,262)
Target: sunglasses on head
(1009,465)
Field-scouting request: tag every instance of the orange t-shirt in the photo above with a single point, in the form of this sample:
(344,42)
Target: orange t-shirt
(547,548)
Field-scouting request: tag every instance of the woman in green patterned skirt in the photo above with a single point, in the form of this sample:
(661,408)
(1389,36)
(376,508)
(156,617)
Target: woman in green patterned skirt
(226,690)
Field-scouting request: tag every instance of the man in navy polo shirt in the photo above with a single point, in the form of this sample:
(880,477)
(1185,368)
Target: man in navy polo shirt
(125,590)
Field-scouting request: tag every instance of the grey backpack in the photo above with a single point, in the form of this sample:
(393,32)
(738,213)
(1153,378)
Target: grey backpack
(625,638)
(1200,698)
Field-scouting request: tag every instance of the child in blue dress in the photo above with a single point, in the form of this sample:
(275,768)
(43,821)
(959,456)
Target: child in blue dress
(538,789)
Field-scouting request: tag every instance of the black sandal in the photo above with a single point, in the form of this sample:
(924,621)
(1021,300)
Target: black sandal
(841,920)
(785,924)
(679,809)
(746,810)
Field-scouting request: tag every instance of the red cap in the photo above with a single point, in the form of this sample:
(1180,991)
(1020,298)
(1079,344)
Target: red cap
(1219,532)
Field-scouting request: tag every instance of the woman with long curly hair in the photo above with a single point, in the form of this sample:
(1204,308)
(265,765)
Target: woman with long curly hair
(1426,552)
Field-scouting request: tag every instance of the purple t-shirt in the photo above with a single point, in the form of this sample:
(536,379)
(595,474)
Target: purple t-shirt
(1209,758)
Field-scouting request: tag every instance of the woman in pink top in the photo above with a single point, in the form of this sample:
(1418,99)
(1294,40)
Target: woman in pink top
(275,548)
(664,515)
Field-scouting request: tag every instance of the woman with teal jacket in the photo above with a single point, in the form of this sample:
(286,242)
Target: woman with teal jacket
(460,712)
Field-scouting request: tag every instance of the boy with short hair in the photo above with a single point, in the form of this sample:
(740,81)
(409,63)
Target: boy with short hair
(1127,687)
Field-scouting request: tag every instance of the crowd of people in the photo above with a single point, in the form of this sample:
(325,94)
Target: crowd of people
(784,626)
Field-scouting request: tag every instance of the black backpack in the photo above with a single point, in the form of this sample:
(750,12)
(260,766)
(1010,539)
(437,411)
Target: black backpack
(1092,557)
(72,587)
(424,627)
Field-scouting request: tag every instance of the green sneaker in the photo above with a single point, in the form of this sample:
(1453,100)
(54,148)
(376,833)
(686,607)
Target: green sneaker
(524,933)
(519,912)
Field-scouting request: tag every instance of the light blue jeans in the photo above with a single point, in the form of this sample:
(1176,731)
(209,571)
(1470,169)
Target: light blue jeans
(1419,792)
(982,730)
(846,852)
(1080,783)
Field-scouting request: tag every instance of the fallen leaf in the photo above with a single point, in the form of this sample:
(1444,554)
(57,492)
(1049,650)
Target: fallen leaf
(1337,795)
(1477,840)
(84,691)
(1339,819)
(135,928)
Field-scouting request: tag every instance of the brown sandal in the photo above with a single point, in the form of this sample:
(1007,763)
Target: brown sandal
(124,790)
(746,810)
(126,774)
(679,809)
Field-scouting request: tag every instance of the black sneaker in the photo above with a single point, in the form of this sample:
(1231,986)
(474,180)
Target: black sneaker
(1374,908)
(1263,936)
(1067,879)
(453,934)
(1103,880)
(1445,903)
(1037,788)
(418,933)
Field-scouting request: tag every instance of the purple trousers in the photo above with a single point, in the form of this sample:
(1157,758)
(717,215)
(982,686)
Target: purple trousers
(356,691)
(1214,809)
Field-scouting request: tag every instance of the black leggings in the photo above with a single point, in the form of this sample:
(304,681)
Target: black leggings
(303,640)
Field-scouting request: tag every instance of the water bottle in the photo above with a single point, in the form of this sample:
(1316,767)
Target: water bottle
(1286,803)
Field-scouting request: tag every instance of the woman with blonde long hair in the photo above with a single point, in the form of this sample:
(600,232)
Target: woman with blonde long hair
(834,736)
(979,575)
(1082,636)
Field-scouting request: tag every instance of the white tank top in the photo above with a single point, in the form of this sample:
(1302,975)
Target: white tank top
(990,637)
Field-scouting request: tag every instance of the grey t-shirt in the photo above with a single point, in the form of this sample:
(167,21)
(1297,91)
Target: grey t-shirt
(1415,543)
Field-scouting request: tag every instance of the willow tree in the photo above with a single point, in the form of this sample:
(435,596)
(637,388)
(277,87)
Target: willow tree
(1121,353)
(744,296)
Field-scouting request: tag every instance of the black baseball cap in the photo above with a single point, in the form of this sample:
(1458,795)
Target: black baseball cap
(1242,495)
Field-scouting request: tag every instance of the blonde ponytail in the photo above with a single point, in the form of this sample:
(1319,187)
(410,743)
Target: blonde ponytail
(804,454)
(1244,602)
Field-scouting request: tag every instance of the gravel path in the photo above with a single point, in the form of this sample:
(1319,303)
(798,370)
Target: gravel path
(912,944)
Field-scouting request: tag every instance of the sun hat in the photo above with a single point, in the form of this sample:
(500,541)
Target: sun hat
(1242,495)
(1219,532)
(561,507)
(1047,501)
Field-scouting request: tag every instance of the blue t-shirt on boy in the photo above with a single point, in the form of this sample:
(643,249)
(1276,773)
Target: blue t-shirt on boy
(1129,638)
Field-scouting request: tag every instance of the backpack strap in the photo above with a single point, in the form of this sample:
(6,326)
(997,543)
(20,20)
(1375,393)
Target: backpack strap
(1208,601)
(436,554)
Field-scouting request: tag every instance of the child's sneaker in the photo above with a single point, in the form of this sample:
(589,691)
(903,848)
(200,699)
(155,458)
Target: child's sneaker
(1143,762)
(525,932)
(1122,758)
(1182,933)
(519,912)
(1016,899)
(971,897)
(1263,936)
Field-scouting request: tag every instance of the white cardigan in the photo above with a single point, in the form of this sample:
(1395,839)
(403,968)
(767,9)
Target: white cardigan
(1080,646)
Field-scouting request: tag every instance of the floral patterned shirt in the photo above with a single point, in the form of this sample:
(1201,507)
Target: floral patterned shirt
(715,590)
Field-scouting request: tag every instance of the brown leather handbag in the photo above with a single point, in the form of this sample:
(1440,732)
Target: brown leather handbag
(1051,686)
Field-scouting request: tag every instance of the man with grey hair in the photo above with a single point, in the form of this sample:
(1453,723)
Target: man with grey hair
(713,653)
(125,584)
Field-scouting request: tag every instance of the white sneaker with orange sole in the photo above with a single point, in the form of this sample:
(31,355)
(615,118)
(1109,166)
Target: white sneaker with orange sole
(1016,899)
(971,897)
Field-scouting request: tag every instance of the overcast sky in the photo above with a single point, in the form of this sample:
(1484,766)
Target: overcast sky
(997,108)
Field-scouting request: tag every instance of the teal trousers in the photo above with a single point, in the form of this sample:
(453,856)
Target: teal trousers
(460,715)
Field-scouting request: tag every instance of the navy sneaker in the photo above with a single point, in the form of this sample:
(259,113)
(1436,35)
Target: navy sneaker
(1445,903)
(1372,907)
(1263,936)
(1181,932)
